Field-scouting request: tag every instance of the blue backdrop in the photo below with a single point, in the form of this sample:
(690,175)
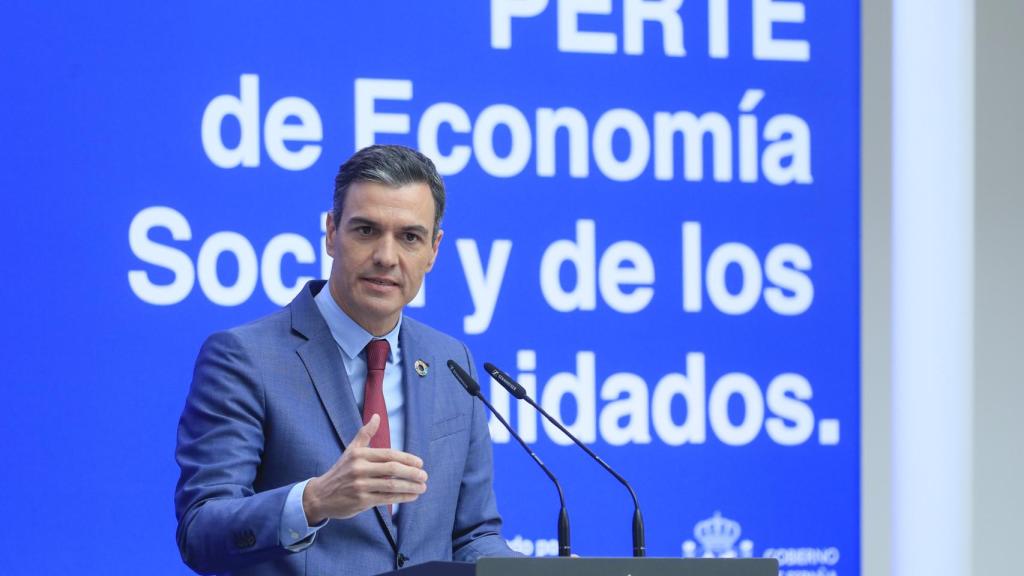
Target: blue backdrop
(653,220)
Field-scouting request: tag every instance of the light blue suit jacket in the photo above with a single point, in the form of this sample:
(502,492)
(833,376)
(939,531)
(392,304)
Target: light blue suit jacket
(270,405)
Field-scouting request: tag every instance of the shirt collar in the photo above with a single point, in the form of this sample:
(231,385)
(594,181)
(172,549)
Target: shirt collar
(350,336)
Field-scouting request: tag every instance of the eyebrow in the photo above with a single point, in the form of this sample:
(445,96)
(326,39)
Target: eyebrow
(357,221)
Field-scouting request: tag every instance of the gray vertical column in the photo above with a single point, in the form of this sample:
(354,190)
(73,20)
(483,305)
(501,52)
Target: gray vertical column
(999,288)
(932,274)
(876,286)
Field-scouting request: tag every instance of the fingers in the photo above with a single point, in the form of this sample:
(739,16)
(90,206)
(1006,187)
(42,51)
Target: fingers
(366,462)
(365,433)
(387,488)
(395,470)
(362,440)
(384,499)
(364,477)
(388,455)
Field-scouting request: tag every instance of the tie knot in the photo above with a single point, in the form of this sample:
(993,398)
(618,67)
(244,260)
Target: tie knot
(377,354)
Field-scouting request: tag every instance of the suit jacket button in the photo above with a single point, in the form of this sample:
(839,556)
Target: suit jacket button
(401,559)
(245,539)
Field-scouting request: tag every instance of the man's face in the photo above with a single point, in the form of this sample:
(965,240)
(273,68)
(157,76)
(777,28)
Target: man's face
(381,248)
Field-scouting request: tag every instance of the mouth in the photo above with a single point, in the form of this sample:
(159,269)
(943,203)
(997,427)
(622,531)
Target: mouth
(382,282)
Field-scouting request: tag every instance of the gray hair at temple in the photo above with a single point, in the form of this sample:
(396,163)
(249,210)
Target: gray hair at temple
(393,166)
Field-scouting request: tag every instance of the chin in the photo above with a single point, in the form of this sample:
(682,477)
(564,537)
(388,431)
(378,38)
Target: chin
(381,311)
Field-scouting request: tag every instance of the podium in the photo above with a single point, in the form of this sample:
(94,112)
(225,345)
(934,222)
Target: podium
(597,567)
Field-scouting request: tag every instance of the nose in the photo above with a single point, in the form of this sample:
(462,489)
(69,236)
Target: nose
(385,252)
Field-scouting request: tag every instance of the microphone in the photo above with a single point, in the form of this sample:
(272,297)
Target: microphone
(473,389)
(517,390)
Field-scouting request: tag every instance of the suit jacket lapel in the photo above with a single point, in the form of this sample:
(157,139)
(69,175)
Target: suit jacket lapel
(327,371)
(419,409)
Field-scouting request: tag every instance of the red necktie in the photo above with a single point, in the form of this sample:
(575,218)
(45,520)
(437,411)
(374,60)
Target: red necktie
(373,395)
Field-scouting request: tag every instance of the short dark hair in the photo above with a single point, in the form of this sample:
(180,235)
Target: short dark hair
(394,166)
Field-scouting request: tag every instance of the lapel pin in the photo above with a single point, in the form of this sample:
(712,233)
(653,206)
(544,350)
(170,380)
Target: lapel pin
(422,368)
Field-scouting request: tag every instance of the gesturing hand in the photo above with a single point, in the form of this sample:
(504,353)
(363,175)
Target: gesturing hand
(362,478)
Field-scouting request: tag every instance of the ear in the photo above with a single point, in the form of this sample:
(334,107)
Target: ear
(332,231)
(437,244)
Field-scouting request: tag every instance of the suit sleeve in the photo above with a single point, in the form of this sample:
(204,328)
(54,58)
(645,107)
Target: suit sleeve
(223,523)
(477,530)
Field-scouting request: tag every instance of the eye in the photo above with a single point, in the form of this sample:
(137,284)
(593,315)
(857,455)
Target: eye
(364,230)
(412,237)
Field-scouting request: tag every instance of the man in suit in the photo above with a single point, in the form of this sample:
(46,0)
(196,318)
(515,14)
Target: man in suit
(328,437)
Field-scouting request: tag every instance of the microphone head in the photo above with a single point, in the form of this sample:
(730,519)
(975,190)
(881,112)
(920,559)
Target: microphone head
(464,378)
(513,387)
